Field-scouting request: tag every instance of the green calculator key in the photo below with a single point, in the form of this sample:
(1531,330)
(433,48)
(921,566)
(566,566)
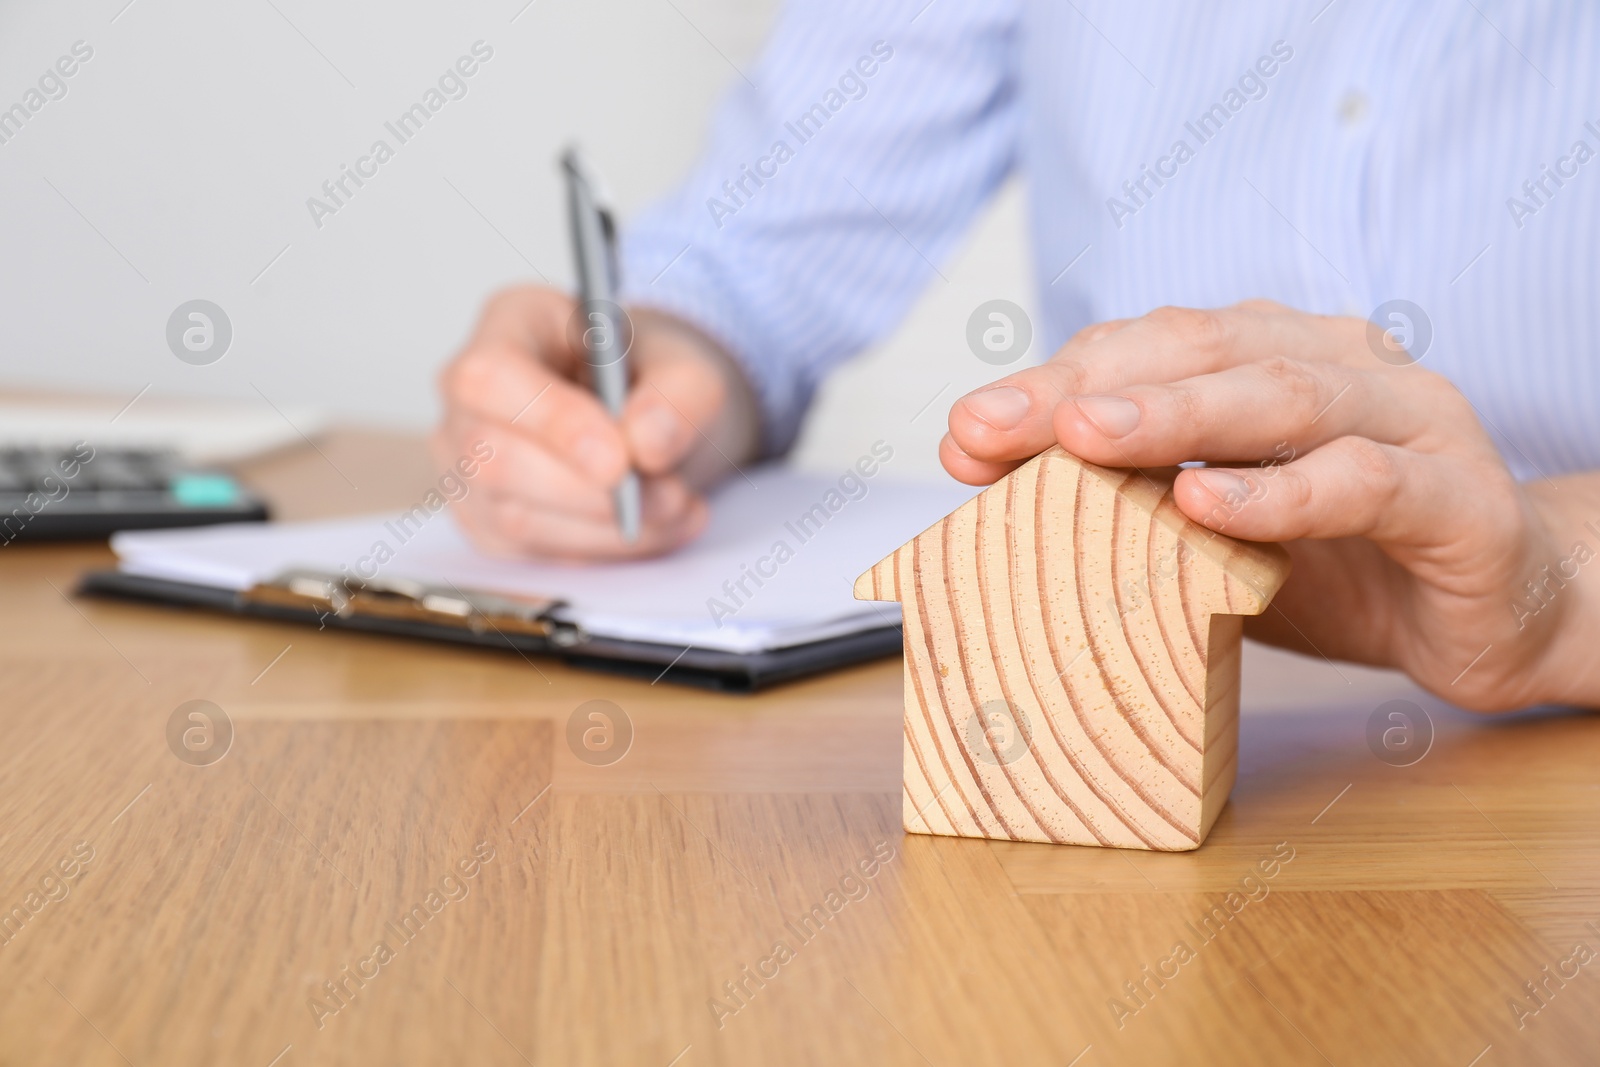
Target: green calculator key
(204,490)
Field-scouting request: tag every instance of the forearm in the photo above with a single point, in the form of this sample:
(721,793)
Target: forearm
(1563,592)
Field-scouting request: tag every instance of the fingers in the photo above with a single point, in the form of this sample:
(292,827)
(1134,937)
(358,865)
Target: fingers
(521,370)
(1350,487)
(1096,331)
(516,391)
(526,470)
(676,397)
(509,526)
(963,468)
(1272,407)
(1011,419)
(524,500)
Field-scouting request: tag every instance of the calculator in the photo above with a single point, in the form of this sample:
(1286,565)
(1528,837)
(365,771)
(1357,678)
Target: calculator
(80,492)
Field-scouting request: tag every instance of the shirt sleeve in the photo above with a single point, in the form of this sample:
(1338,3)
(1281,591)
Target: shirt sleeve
(838,176)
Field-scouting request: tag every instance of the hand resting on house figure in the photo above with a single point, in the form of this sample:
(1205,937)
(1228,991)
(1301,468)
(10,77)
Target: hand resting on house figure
(1413,545)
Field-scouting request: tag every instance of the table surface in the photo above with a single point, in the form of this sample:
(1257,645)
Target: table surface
(653,911)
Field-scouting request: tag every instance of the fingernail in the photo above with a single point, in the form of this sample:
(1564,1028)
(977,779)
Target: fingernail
(1114,416)
(654,430)
(1001,407)
(597,454)
(1225,485)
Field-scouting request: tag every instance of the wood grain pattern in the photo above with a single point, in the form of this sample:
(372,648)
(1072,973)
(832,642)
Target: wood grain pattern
(1419,902)
(1072,660)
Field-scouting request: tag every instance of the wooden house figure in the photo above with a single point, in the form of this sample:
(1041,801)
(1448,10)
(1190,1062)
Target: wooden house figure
(1072,646)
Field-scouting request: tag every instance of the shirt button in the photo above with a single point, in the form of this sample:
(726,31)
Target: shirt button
(1353,108)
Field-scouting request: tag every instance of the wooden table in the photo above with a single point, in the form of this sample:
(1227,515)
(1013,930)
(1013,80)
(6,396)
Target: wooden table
(651,912)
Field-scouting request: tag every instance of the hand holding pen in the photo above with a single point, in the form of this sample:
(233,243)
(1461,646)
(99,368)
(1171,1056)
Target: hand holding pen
(524,384)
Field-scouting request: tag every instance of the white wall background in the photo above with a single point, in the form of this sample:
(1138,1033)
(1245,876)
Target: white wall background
(178,165)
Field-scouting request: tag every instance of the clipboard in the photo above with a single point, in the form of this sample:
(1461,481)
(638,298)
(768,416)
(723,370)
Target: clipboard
(524,625)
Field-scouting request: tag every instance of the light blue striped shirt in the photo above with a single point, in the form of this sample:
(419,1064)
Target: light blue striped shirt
(1331,156)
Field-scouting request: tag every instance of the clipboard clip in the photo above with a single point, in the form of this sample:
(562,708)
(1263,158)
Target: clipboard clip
(409,601)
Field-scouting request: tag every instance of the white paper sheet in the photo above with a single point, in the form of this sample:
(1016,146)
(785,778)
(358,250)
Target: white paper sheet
(773,569)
